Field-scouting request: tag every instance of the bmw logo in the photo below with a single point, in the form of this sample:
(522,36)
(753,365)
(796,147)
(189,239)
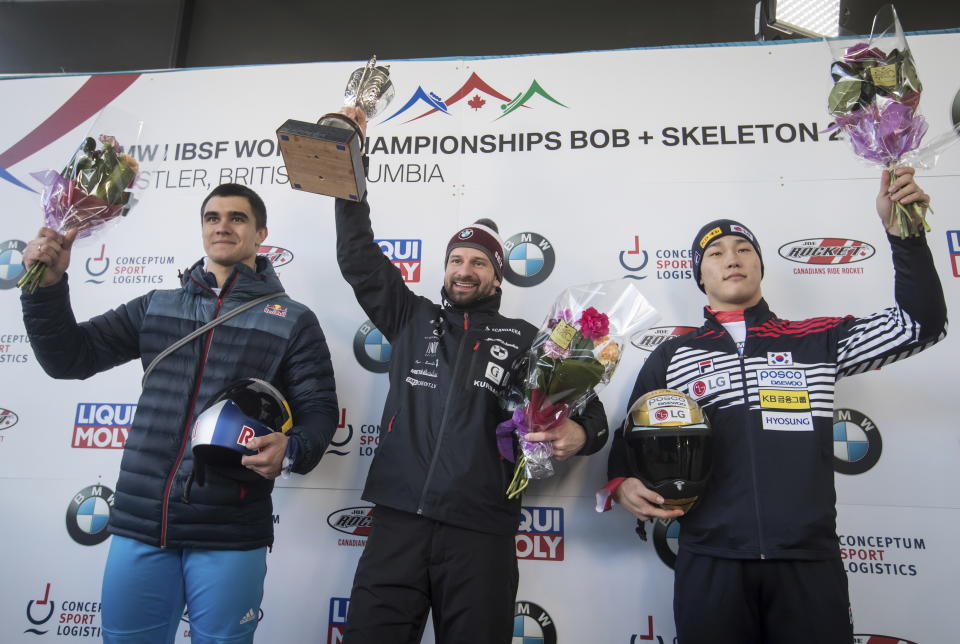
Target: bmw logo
(532,624)
(88,514)
(371,349)
(11,262)
(666,538)
(856,442)
(530,259)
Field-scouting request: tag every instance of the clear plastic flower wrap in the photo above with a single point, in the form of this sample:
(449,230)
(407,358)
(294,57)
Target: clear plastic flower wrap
(875,100)
(575,352)
(92,190)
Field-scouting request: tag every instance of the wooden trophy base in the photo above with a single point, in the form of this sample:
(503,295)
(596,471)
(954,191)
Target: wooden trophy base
(324,159)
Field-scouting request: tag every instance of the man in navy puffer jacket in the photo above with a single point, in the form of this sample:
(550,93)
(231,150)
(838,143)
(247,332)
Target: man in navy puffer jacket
(175,543)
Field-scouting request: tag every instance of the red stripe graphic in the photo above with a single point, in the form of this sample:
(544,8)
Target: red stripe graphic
(92,97)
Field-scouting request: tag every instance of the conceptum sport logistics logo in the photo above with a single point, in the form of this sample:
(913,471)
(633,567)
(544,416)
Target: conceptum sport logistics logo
(530,259)
(88,514)
(479,94)
(43,612)
(532,624)
(371,349)
(856,442)
(11,262)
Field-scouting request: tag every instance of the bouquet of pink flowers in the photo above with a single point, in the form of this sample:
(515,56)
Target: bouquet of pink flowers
(575,352)
(91,190)
(874,99)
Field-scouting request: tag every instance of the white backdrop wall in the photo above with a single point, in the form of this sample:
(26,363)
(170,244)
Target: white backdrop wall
(611,178)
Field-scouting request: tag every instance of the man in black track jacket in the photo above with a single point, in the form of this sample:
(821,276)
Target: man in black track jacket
(175,542)
(443,535)
(759,559)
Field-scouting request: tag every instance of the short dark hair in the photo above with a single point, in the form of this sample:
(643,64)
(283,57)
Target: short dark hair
(238,190)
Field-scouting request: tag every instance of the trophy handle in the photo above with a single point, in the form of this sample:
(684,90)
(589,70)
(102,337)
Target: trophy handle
(335,119)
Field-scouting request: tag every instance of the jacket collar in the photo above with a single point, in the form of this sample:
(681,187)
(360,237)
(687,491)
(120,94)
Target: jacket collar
(753,316)
(243,281)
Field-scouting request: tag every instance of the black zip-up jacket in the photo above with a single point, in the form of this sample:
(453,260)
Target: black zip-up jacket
(448,367)
(771,494)
(284,346)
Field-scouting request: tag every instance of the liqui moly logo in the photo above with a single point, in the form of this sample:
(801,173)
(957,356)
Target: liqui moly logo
(102,425)
(826,250)
(337,622)
(540,534)
(405,255)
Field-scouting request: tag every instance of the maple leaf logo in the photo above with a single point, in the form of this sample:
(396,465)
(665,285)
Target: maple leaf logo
(476,102)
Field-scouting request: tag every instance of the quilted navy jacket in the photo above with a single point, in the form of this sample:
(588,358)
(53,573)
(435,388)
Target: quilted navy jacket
(280,341)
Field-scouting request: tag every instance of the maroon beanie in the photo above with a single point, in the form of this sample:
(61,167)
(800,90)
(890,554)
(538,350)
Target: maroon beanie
(483,236)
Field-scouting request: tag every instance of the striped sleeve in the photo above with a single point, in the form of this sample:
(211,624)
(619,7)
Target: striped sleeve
(918,321)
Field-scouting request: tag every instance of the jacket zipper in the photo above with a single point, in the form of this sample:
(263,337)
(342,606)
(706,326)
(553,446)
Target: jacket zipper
(165,509)
(443,419)
(750,442)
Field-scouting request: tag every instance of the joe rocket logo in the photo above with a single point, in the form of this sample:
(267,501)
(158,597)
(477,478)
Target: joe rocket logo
(654,337)
(276,255)
(88,514)
(337,623)
(7,419)
(532,624)
(666,537)
(404,254)
(856,442)
(879,639)
(371,349)
(355,522)
(540,534)
(102,425)
(11,262)
(530,259)
(826,250)
(479,95)
(953,247)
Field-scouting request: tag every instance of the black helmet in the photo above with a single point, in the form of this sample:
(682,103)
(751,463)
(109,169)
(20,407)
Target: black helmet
(669,446)
(242,410)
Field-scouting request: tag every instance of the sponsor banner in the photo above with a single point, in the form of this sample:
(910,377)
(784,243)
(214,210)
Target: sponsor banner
(102,425)
(782,378)
(827,256)
(532,623)
(74,618)
(354,522)
(540,534)
(337,619)
(781,399)
(102,267)
(953,248)
(857,444)
(786,421)
(404,254)
(654,337)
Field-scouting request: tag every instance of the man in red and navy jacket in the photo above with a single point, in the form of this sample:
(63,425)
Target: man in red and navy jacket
(759,559)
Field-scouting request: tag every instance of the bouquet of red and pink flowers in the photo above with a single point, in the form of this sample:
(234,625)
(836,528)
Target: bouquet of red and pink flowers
(90,191)
(575,352)
(875,100)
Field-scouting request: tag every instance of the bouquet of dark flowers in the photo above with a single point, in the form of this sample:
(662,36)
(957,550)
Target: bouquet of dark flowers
(575,352)
(90,191)
(875,96)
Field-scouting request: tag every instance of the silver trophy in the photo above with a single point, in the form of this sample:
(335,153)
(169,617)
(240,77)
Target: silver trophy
(326,157)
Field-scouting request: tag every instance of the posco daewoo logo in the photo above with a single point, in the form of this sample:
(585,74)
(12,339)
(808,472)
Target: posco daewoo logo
(826,250)
(479,94)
